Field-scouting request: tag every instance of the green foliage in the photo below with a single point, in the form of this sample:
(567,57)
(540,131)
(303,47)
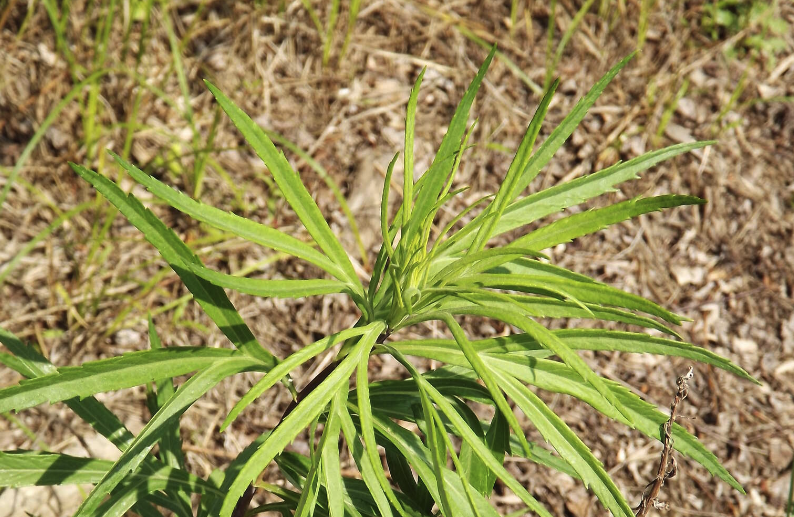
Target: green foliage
(456,458)
(761,20)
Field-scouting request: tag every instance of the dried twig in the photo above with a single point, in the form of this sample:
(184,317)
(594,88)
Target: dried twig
(667,464)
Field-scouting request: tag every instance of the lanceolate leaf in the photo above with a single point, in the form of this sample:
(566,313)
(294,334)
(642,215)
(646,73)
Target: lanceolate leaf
(579,190)
(587,292)
(437,172)
(472,439)
(125,371)
(245,228)
(29,363)
(565,441)
(28,468)
(211,298)
(508,188)
(270,288)
(561,133)
(184,397)
(291,362)
(576,339)
(584,223)
(291,426)
(291,186)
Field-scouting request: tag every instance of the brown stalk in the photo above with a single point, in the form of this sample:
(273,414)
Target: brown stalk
(667,464)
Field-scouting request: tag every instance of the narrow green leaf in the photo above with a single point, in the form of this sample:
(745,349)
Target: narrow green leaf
(467,434)
(541,307)
(418,456)
(484,373)
(364,465)
(245,228)
(384,210)
(211,298)
(593,339)
(294,360)
(570,447)
(329,181)
(507,190)
(474,263)
(291,186)
(184,397)
(498,440)
(584,223)
(125,371)
(170,444)
(561,133)
(31,364)
(587,292)
(29,468)
(298,419)
(516,317)
(270,288)
(579,190)
(408,168)
(437,172)
(367,429)
(332,472)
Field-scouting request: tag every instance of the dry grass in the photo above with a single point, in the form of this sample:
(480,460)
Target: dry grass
(729,265)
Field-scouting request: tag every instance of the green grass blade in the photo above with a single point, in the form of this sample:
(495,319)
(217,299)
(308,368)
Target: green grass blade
(329,31)
(211,298)
(125,371)
(584,223)
(245,228)
(351,22)
(39,134)
(184,397)
(306,411)
(294,360)
(291,186)
(565,441)
(501,56)
(27,248)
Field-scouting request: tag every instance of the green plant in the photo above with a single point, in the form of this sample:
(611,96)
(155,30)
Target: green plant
(760,22)
(414,280)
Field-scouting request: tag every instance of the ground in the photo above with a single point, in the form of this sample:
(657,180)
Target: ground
(82,290)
